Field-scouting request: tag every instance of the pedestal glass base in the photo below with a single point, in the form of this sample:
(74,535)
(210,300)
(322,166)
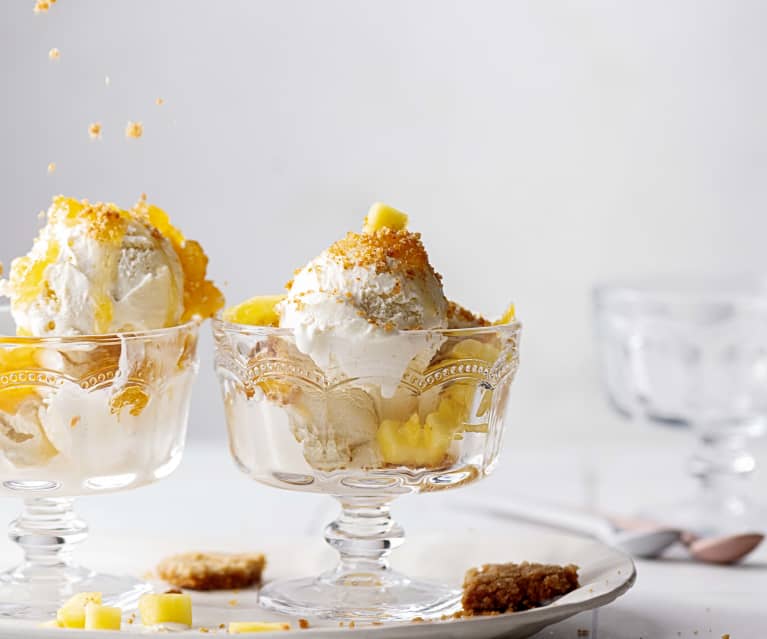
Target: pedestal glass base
(360,597)
(38,596)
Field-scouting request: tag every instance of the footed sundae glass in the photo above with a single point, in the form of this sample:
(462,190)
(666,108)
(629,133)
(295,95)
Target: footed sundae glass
(365,440)
(692,354)
(83,416)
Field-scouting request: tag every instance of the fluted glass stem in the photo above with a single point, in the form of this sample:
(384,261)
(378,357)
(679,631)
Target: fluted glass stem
(364,534)
(47,530)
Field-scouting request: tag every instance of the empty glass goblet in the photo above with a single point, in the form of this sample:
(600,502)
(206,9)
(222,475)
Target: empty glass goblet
(365,440)
(83,416)
(693,354)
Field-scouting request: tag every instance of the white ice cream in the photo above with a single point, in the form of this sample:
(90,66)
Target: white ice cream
(348,304)
(95,270)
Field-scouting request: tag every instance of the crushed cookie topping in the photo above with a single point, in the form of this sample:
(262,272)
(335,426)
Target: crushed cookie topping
(380,249)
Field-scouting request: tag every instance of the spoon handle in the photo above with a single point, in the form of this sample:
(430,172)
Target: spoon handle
(554,516)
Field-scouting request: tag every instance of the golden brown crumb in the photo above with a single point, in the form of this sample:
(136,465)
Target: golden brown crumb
(726,636)
(94,130)
(74,421)
(174,591)
(54,54)
(416,620)
(380,248)
(511,587)
(222,625)
(204,629)
(377,623)
(51,167)
(42,6)
(134,130)
(303,624)
(351,624)
(159,101)
(212,571)
(232,602)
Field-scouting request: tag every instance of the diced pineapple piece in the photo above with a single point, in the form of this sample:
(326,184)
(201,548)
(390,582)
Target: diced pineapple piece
(382,216)
(474,349)
(414,444)
(72,613)
(242,627)
(157,609)
(257,311)
(509,315)
(98,617)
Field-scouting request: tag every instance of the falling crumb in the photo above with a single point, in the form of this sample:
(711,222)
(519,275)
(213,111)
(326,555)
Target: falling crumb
(134,130)
(222,626)
(42,6)
(351,624)
(51,167)
(159,101)
(130,620)
(94,130)
(74,421)
(54,54)
(303,624)
(233,602)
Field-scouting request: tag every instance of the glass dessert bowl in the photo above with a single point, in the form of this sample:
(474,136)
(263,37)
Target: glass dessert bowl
(98,353)
(82,416)
(364,409)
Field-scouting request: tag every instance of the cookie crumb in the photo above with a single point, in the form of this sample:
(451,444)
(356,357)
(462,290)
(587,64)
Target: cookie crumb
(232,602)
(173,591)
(351,624)
(159,101)
(43,6)
(51,167)
(303,624)
(416,620)
(94,130)
(134,130)
(500,588)
(212,571)
(204,629)
(54,54)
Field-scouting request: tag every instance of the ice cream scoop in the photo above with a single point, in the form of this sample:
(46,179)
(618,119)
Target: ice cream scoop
(96,268)
(362,289)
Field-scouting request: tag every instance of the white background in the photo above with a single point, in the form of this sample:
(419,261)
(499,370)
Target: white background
(539,147)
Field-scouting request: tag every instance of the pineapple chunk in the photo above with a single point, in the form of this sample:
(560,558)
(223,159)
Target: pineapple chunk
(166,608)
(509,315)
(257,311)
(241,627)
(414,444)
(72,613)
(99,617)
(382,216)
(474,349)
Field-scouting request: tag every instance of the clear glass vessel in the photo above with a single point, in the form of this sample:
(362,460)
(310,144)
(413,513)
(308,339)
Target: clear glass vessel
(693,354)
(365,439)
(82,416)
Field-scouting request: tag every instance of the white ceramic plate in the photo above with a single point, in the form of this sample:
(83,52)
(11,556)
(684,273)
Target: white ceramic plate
(605,574)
